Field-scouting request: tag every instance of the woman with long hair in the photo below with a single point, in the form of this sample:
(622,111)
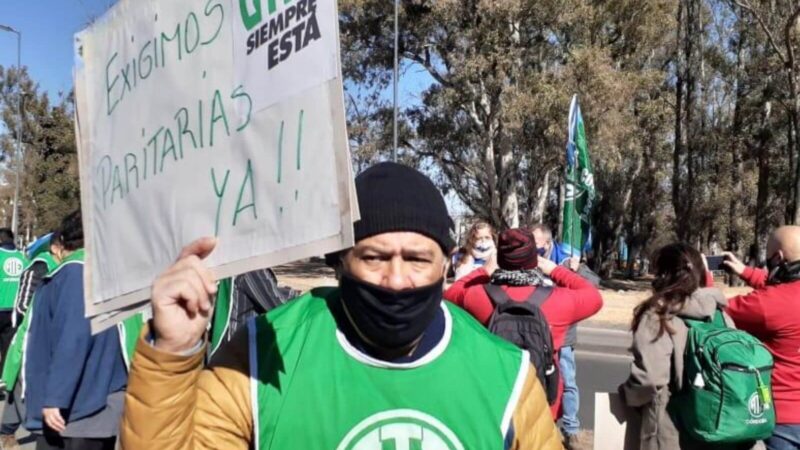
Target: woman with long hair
(478,250)
(659,341)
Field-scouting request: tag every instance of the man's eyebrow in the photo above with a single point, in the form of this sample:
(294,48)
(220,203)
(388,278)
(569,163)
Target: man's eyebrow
(418,252)
(374,248)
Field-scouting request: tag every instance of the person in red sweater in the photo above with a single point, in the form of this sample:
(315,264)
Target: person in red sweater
(771,313)
(520,272)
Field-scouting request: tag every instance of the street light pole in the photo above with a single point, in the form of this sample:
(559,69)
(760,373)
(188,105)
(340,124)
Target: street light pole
(394,78)
(18,156)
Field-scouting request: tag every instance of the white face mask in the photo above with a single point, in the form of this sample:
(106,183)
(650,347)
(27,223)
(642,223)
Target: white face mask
(483,249)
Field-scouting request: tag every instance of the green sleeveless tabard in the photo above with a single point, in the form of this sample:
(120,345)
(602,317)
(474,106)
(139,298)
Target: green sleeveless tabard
(12,263)
(311,388)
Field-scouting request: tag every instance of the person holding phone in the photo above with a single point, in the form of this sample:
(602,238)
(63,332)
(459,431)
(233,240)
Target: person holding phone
(715,263)
(771,313)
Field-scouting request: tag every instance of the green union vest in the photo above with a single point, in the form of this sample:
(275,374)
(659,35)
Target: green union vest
(15,356)
(12,263)
(45,257)
(221,320)
(129,329)
(311,389)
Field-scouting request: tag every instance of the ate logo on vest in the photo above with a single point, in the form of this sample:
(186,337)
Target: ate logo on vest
(755,406)
(400,429)
(13,267)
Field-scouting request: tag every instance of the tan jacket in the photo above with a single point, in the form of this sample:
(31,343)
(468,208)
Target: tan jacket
(658,364)
(174,403)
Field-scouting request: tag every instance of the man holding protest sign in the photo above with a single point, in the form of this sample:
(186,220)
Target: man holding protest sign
(379,360)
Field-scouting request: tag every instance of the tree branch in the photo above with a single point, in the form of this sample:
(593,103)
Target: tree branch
(426,64)
(787,36)
(747,7)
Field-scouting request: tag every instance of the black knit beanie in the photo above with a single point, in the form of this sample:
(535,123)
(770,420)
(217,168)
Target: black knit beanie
(393,197)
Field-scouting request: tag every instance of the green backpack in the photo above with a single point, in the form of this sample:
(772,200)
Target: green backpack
(727,392)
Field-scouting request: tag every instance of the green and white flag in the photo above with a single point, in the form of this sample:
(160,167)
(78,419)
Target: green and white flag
(580,192)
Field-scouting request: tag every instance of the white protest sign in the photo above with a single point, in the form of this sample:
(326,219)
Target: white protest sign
(616,425)
(188,127)
(280,40)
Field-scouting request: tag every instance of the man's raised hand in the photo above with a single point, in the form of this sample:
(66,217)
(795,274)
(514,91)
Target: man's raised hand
(182,299)
(545,265)
(733,263)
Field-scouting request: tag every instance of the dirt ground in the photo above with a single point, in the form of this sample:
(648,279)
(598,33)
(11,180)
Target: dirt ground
(619,296)
(304,275)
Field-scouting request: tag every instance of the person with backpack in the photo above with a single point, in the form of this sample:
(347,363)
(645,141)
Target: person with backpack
(687,354)
(771,313)
(516,276)
(563,255)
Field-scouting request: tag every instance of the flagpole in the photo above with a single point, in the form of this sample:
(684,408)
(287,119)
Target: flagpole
(572,213)
(571,176)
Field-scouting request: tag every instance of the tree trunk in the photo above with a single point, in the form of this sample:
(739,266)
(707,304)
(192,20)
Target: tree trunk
(762,160)
(790,139)
(760,229)
(795,117)
(491,178)
(561,197)
(508,189)
(539,204)
(791,73)
(737,164)
(680,138)
(691,135)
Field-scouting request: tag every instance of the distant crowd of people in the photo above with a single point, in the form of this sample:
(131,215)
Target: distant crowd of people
(422,344)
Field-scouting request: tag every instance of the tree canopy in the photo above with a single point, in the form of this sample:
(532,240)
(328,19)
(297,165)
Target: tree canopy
(691,107)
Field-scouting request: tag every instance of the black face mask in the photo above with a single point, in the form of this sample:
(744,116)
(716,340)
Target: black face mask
(782,271)
(773,263)
(386,318)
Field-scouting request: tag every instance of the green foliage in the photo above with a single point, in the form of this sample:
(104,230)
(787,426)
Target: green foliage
(49,187)
(691,111)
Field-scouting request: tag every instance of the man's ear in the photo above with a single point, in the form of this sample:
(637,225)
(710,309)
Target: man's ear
(341,264)
(336,261)
(446,261)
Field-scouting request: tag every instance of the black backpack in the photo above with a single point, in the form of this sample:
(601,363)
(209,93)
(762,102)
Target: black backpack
(524,325)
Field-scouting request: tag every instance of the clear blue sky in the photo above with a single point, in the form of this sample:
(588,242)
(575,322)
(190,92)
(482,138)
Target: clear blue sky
(47,28)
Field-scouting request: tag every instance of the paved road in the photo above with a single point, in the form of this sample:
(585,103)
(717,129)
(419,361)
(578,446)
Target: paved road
(603,363)
(25,439)
(598,373)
